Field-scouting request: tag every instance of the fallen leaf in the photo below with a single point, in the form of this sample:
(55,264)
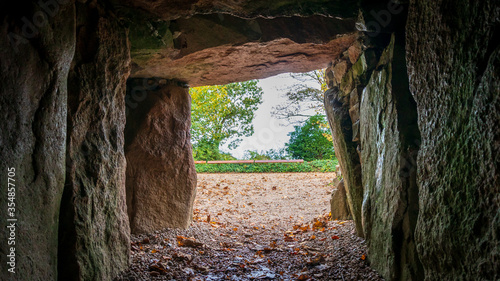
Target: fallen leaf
(188,242)
(335,237)
(315,260)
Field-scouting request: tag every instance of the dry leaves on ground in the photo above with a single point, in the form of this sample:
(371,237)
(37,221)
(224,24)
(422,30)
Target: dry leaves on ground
(255,226)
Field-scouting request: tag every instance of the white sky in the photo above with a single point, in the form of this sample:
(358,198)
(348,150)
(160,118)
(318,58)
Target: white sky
(270,133)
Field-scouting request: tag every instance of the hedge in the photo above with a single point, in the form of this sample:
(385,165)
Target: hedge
(323,166)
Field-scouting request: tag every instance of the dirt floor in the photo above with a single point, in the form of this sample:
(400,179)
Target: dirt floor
(255,226)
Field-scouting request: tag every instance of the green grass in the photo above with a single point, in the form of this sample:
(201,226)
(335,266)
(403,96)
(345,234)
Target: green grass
(323,166)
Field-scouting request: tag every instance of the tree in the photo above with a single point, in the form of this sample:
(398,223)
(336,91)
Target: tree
(303,98)
(220,114)
(312,140)
(271,154)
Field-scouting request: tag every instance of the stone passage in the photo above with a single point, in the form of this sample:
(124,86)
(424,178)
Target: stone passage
(415,119)
(161,178)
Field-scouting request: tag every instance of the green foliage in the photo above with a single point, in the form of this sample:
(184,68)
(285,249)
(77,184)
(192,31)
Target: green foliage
(209,151)
(312,140)
(271,154)
(313,166)
(254,155)
(220,114)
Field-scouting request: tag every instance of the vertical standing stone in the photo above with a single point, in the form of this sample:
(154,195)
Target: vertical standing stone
(341,105)
(389,141)
(345,150)
(161,178)
(94,230)
(453,53)
(34,63)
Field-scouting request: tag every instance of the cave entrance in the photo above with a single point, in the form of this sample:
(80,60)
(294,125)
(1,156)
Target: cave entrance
(160,173)
(268,128)
(211,49)
(245,225)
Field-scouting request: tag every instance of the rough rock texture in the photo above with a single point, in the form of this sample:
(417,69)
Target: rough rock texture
(32,134)
(94,230)
(343,81)
(172,9)
(161,178)
(338,203)
(453,53)
(389,141)
(219,49)
(340,123)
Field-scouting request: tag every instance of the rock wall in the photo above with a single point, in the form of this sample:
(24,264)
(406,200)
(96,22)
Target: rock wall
(389,143)
(94,230)
(345,77)
(376,137)
(34,62)
(453,53)
(161,177)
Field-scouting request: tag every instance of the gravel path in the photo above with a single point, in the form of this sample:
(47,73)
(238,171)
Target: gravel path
(255,226)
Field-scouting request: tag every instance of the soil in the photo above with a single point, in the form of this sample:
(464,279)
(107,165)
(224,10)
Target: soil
(255,226)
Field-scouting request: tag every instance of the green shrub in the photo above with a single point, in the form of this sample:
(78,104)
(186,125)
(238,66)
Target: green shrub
(313,166)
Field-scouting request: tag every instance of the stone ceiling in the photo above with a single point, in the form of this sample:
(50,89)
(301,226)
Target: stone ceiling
(221,48)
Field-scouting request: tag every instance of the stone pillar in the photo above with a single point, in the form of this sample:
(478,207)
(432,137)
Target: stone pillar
(94,230)
(453,53)
(161,177)
(35,57)
(376,138)
(390,140)
(343,78)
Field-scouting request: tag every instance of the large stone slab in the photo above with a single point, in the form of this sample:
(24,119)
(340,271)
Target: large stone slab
(172,9)
(454,64)
(94,229)
(339,209)
(344,87)
(390,141)
(219,49)
(161,177)
(345,150)
(34,63)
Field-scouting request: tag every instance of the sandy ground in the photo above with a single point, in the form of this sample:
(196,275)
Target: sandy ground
(255,226)
(268,199)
